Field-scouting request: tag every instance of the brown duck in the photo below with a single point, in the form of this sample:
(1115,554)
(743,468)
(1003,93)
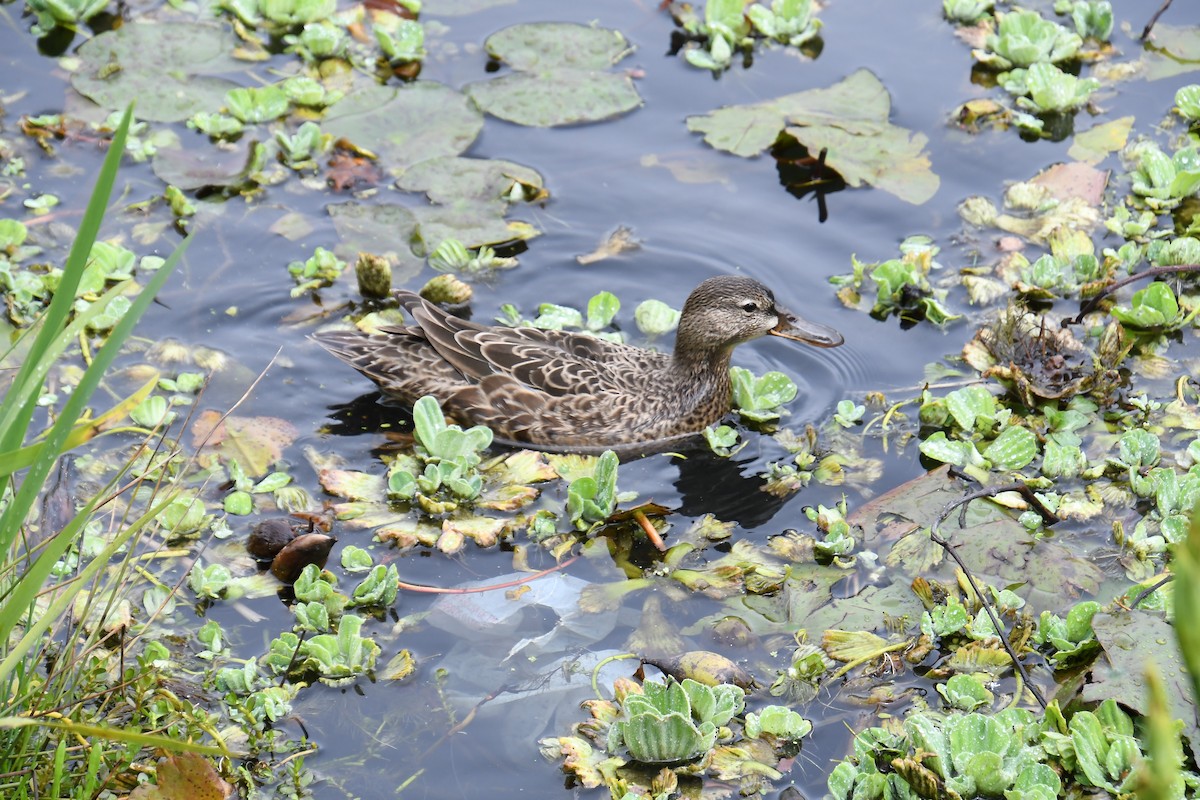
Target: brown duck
(571,391)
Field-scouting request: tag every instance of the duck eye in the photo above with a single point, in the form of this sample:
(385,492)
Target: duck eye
(749,306)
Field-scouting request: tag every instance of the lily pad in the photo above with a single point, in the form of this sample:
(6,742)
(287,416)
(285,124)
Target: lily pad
(406,125)
(203,164)
(169,69)
(559,78)
(385,230)
(449,178)
(850,119)
(1132,640)
(406,235)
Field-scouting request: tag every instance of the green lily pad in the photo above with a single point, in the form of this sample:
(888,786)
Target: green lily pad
(406,125)
(559,78)
(169,69)
(850,119)
(449,178)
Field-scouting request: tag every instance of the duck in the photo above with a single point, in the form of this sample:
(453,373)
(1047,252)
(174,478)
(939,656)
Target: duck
(572,392)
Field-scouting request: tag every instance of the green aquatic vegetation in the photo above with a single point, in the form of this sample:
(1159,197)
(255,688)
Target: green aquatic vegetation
(1153,309)
(1093,18)
(848,413)
(1044,88)
(300,149)
(729,26)
(760,399)
(1024,38)
(789,22)
(591,499)
(240,501)
(443,472)
(336,659)
(838,540)
(320,269)
(778,722)
(1187,101)
(965,693)
(722,440)
(453,256)
(403,42)
(252,105)
(280,15)
(209,582)
(967,12)
(1071,641)
(602,308)
(216,125)
(1160,181)
(559,75)
(654,317)
(673,721)
(317,41)
(970,754)
(64,13)
(901,285)
(725,28)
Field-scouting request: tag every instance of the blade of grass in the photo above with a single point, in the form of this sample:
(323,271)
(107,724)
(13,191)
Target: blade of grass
(72,410)
(83,432)
(17,407)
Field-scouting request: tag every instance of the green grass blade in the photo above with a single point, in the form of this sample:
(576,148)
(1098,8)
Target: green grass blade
(25,496)
(16,409)
(117,734)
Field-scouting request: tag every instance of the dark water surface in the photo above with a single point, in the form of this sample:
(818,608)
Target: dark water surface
(375,736)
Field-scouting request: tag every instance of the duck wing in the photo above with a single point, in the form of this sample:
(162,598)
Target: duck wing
(557,363)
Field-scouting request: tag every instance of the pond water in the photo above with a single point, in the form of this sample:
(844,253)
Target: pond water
(697,212)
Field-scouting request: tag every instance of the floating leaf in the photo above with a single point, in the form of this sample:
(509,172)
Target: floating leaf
(850,119)
(449,178)
(406,125)
(559,78)
(168,68)
(255,442)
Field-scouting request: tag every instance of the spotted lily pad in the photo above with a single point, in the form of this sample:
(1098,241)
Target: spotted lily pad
(169,69)
(849,119)
(405,125)
(559,77)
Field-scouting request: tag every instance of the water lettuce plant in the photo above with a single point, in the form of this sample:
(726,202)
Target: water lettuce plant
(443,470)
(65,13)
(672,721)
(967,12)
(1044,88)
(591,499)
(1024,38)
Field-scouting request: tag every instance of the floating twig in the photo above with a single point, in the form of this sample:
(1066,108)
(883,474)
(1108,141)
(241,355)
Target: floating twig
(1146,30)
(983,601)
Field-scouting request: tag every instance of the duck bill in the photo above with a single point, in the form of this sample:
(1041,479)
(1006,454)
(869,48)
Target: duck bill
(802,330)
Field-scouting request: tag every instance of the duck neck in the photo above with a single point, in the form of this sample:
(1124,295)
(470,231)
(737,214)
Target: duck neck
(706,371)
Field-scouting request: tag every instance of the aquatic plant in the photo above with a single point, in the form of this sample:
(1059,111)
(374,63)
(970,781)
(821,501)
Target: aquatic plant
(673,721)
(1024,38)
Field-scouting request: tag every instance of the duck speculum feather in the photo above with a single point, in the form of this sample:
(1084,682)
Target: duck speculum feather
(571,391)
